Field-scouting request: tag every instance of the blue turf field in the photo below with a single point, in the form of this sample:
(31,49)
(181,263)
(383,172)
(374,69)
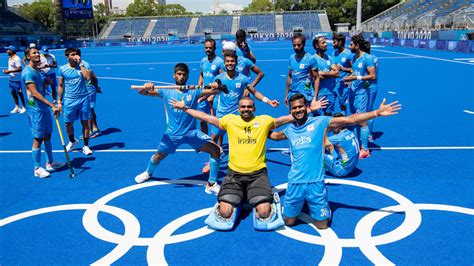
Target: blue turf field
(410,203)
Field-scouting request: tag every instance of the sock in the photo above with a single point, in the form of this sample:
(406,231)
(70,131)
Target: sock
(371,126)
(49,151)
(364,137)
(71,138)
(151,166)
(214,165)
(36,153)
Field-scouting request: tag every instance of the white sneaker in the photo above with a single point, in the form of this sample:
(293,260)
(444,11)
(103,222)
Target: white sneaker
(86,150)
(22,110)
(41,173)
(71,145)
(214,189)
(15,110)
(142,177)
(53,166)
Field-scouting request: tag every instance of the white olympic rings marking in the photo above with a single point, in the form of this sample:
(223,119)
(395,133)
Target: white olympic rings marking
(328,238)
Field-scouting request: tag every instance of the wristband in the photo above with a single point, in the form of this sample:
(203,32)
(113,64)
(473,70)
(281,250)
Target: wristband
(359,77)
(375,113)
(265,100)
(185,108)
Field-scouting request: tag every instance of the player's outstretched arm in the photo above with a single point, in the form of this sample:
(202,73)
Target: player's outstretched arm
(194,113)
(280,121)
(384,110)
(277,135)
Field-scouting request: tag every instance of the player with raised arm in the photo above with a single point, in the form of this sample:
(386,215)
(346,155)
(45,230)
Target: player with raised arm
(181,128)
(14,75)
(306,138)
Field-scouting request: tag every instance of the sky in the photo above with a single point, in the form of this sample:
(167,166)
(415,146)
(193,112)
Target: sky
(204,6)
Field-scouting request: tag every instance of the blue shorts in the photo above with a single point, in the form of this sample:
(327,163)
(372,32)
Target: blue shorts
(204,106)
(359,101)
(92,98)
(331,98)
(15,86)
(40,123)
(335,167)
(314,193)
(194,138)
(75,109)
(54,82)
(342,92)
(308,97)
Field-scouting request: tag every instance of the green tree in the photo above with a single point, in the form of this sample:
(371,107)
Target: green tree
(284,5)
(259,6)
(174,9)
(141,8)
(41,12)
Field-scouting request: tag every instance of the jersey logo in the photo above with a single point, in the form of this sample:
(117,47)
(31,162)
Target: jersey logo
(329,63)
(343,59)
(238,85)
(188,98)
(360,65)
(301,66)
(256,124)
(310,128)
(213,67)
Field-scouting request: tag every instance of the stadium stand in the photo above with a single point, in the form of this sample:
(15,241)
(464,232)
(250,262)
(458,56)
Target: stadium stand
(262,22)
(422,14)
(277,22)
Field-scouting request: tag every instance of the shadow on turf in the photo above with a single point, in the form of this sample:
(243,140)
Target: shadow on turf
(109,131)
(2,116)
(4,134)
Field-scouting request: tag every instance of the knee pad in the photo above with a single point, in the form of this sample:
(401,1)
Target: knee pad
(273,221)
(217,222)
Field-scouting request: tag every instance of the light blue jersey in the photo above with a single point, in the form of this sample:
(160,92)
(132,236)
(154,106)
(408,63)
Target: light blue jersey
(360,67)
(244,52)
(375,62)
(244,66)
(307,148)
(326,85)
(90,88)
(178,123)
(210,69)
(301,80)
(344,59)
(30,75)
(75,85)
(229,102)
(346,150)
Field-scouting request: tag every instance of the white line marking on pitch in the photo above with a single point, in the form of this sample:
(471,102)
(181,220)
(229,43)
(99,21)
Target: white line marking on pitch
(392,92)
(469,112)
(282,75)
(270,149)
(426,57)
(143,80)
(467,59)
(151,68)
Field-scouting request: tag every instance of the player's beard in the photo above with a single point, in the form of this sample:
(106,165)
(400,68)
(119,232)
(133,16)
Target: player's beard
(247,114)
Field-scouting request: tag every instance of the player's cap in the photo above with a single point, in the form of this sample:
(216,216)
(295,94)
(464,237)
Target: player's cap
(45,49)
(228,46)
(32,45)
(11,48)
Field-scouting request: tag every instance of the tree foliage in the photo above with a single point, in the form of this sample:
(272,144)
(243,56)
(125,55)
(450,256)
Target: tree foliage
(41,12)
(259,6)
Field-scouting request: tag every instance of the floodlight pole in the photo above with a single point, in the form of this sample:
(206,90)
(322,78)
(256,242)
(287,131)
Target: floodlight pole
(359,14)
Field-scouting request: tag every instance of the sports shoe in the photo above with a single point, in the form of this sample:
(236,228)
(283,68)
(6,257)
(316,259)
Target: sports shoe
(142,177)
(41,173)
(53,166)
(71,145)
(212,189)
(15,110)
(94,133)
(22,110)
(206,169)
(364,154)
(86,150)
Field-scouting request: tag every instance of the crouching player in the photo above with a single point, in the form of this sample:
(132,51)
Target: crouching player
(342,151)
